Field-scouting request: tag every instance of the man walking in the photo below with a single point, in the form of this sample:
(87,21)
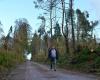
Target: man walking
(53,56)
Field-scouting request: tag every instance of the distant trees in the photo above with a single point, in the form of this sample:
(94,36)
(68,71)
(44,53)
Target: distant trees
(8,41)
(1,34)
(57,30)
(35,44)
(13,45)
(49,7)
(18,37)
(1,30)
(41,29)
(21,34)
(73,25)
(84,26)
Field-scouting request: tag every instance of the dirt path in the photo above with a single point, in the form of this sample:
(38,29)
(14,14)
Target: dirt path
(34,71)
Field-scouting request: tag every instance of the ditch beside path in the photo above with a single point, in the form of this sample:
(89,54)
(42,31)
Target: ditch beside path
(34,71)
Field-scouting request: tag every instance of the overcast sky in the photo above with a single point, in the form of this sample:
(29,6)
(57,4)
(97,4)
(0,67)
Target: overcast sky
(10,10)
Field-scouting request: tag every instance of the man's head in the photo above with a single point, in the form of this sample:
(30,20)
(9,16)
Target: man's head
(92,50)
(52,45)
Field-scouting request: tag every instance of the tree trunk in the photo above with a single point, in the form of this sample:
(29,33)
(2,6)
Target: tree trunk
(63,12)
(51,17)
(65,35)
(71,16)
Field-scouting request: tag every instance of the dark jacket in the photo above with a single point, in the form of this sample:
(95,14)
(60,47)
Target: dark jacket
(49,53)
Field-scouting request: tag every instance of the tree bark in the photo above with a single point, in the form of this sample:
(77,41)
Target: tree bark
(71,16)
